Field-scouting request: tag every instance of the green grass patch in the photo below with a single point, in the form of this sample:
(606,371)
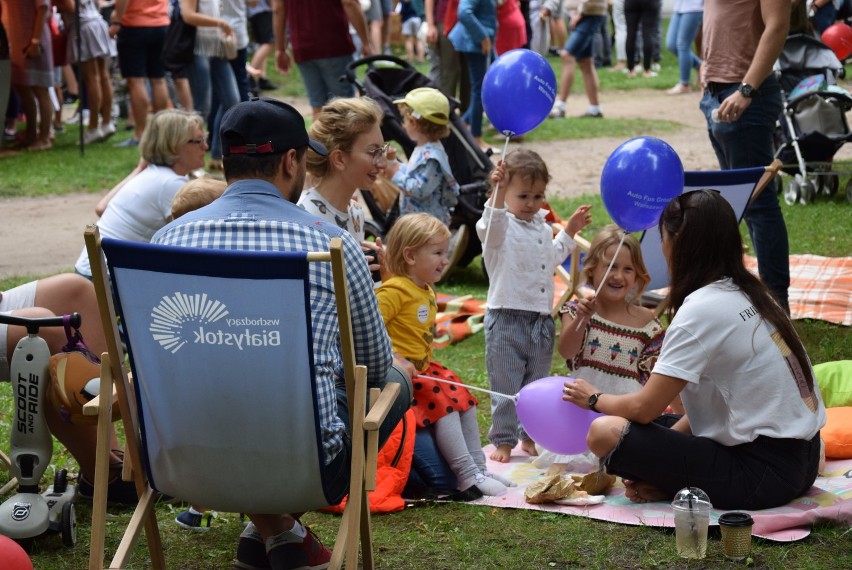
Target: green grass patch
(62,170)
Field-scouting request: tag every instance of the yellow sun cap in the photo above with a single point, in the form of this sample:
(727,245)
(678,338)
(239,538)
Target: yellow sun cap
(428,103)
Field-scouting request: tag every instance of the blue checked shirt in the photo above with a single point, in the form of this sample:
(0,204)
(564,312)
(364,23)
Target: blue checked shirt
(253,215)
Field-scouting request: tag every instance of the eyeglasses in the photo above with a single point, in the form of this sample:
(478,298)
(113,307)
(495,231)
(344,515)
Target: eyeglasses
(200,141)
(379,154)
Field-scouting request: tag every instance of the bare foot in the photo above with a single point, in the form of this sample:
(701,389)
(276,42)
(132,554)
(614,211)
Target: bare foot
(639,492)
(501,454)
(528,445)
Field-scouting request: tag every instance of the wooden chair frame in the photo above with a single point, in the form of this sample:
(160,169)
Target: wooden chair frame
(355,526)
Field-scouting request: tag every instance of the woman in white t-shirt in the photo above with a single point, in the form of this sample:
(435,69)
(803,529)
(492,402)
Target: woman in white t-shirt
(173,145)
(750,435)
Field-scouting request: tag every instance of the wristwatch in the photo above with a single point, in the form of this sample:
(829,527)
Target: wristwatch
(746,90)
(593,399)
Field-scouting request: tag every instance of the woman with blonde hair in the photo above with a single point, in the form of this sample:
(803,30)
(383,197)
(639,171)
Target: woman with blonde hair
(350,130)
(173,145)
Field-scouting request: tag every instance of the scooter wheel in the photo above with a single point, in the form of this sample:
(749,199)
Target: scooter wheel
(69,525)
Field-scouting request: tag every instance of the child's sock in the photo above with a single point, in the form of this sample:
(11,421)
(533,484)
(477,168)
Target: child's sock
(594,109)
(505,481)
(488,486)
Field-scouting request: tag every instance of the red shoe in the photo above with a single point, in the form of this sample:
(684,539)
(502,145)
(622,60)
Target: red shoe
(309,554)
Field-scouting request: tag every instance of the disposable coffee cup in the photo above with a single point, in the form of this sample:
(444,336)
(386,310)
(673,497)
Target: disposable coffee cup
(736,534)
(691,508)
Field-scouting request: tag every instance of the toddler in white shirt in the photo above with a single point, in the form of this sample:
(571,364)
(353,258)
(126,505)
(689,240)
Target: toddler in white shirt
(521,254)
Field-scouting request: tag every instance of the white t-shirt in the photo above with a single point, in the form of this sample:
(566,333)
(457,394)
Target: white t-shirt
(739,384)
(352,221)
(138,210)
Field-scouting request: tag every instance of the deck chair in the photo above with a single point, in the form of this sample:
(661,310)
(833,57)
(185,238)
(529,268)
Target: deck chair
(570,276)
(223,397)
(740,187)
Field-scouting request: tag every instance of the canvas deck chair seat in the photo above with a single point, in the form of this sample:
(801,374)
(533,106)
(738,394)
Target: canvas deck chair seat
(224,395)
(739,187)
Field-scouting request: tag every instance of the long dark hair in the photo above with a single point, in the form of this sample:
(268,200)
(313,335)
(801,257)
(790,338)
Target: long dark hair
(705,246)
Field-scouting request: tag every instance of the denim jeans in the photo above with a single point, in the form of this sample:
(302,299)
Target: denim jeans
(682,30)
(477,65)
(322,79)
(208,75)
(430,474)
(744,143)
(336,474)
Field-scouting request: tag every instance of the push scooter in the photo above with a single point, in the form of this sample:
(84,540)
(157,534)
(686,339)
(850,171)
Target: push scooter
(29,514)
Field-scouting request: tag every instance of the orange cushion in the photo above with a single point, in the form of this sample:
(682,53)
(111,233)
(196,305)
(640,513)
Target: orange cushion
(837,433)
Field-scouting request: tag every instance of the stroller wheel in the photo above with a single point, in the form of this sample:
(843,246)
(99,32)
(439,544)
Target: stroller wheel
(792,193)
(829,184)
(809,191)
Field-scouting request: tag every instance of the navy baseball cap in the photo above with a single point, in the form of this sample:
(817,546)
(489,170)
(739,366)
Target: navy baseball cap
(264,126)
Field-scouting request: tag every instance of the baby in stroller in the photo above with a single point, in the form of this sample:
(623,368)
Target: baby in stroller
(387,79)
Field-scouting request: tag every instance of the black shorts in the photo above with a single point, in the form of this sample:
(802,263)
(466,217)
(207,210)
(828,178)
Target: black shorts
(767,472)
(140,51)
(261,28)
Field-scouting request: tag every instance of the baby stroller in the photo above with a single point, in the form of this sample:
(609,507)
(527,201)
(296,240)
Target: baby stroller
(813,125)
(388,78)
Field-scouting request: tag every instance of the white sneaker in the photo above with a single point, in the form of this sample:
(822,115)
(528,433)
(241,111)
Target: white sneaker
(108,129)
(558,110)
(92,136)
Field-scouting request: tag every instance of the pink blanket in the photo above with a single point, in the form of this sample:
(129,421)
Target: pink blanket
(829,499)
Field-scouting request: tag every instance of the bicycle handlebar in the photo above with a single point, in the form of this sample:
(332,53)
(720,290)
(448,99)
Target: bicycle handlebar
(32,324)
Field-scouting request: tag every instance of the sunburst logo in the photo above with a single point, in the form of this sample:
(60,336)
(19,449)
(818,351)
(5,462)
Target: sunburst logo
(170,317)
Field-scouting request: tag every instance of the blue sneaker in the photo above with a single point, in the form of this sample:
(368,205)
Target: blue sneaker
(193,521)
(131,142)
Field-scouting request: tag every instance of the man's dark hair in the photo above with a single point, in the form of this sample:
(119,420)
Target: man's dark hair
(262,166)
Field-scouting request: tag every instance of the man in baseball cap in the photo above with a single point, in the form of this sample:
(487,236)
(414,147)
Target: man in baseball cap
(265,144)
(264,126)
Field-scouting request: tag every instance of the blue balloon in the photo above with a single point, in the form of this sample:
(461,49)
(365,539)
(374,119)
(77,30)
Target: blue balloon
(639,178)
(518,91)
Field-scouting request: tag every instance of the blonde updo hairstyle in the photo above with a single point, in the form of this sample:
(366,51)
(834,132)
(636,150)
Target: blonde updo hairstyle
(165,132)
(411,232)
(337,126)
(608,237)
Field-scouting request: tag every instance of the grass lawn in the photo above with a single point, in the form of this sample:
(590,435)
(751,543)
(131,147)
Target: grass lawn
(452,536)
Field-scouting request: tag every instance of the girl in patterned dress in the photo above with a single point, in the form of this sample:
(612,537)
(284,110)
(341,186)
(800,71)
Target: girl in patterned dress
(609,337)
(415,256)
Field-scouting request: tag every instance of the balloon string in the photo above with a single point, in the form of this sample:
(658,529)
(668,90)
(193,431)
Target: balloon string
(601,284)
(490,201)
(513,398)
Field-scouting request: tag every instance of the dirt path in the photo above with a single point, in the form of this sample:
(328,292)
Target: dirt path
(41,236)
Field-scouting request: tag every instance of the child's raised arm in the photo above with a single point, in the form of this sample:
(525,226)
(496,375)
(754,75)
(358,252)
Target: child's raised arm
(571,337)
(498,182)
(578,220)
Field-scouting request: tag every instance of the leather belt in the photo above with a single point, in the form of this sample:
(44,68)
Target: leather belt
(716,88)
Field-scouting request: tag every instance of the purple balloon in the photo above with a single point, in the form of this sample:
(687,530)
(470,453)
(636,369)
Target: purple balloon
(639,178)
(555,424)
(518,91)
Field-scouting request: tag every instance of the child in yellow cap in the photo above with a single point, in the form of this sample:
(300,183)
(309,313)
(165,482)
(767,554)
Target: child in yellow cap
(427,181)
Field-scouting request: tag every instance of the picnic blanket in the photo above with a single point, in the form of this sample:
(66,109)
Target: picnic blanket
(829,499)
(820,287)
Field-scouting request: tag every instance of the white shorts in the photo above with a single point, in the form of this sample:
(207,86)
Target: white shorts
(20,297)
